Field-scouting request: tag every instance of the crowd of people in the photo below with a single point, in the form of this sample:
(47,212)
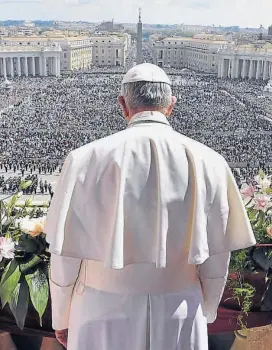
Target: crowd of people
(11,184)
(43,119)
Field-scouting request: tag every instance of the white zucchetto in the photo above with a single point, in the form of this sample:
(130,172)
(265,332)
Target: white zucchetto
(146,72)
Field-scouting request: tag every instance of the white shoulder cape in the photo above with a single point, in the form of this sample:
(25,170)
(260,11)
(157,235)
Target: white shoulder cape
(107,208)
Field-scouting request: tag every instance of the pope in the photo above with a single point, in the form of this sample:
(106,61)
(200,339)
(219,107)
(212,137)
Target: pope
(140,230)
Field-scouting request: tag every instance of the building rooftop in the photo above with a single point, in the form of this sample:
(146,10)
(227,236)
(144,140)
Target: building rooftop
(196,40)
(267,47)
(113,38)
(31,48)
(249,49)
(45,38)
(207,36)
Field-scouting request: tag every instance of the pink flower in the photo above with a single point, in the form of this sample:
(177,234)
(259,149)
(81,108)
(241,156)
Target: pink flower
(262,202)
(7,247)
(247,192)
(269,231)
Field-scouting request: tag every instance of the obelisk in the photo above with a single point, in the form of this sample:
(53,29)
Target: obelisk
(139,56)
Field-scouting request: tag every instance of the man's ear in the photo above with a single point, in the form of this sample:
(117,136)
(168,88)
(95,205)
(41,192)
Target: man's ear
(123,105)
(171,107)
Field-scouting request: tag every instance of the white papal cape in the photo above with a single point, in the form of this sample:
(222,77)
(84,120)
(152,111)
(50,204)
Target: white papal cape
(140,230)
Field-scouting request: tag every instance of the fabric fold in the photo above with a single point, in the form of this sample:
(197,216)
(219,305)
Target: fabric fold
(212,289)
(61,302)
(145,196)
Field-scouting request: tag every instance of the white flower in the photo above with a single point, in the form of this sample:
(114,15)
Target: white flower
(32,227)
(264,182)
(7,247)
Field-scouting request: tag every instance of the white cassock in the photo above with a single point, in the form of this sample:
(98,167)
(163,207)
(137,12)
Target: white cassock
(140,230)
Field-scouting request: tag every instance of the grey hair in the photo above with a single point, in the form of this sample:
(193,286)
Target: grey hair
(147,94)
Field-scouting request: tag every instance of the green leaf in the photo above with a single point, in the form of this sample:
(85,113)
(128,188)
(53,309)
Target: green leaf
(266,303)
(2,265)
(24,185)
(10,268)
(268,190)
(28,245)
(261,257)
(39,291)
(25,267)
(11,204)
(252,214)
(262,174)
(268,274)
(28,202)
(268,209)
(9,285)
(18,303)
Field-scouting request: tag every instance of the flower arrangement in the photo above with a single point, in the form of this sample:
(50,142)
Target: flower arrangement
(255,260)
(24,257)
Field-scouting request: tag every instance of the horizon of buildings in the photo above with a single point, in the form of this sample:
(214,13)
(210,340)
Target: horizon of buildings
(145,24)
(60,46)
